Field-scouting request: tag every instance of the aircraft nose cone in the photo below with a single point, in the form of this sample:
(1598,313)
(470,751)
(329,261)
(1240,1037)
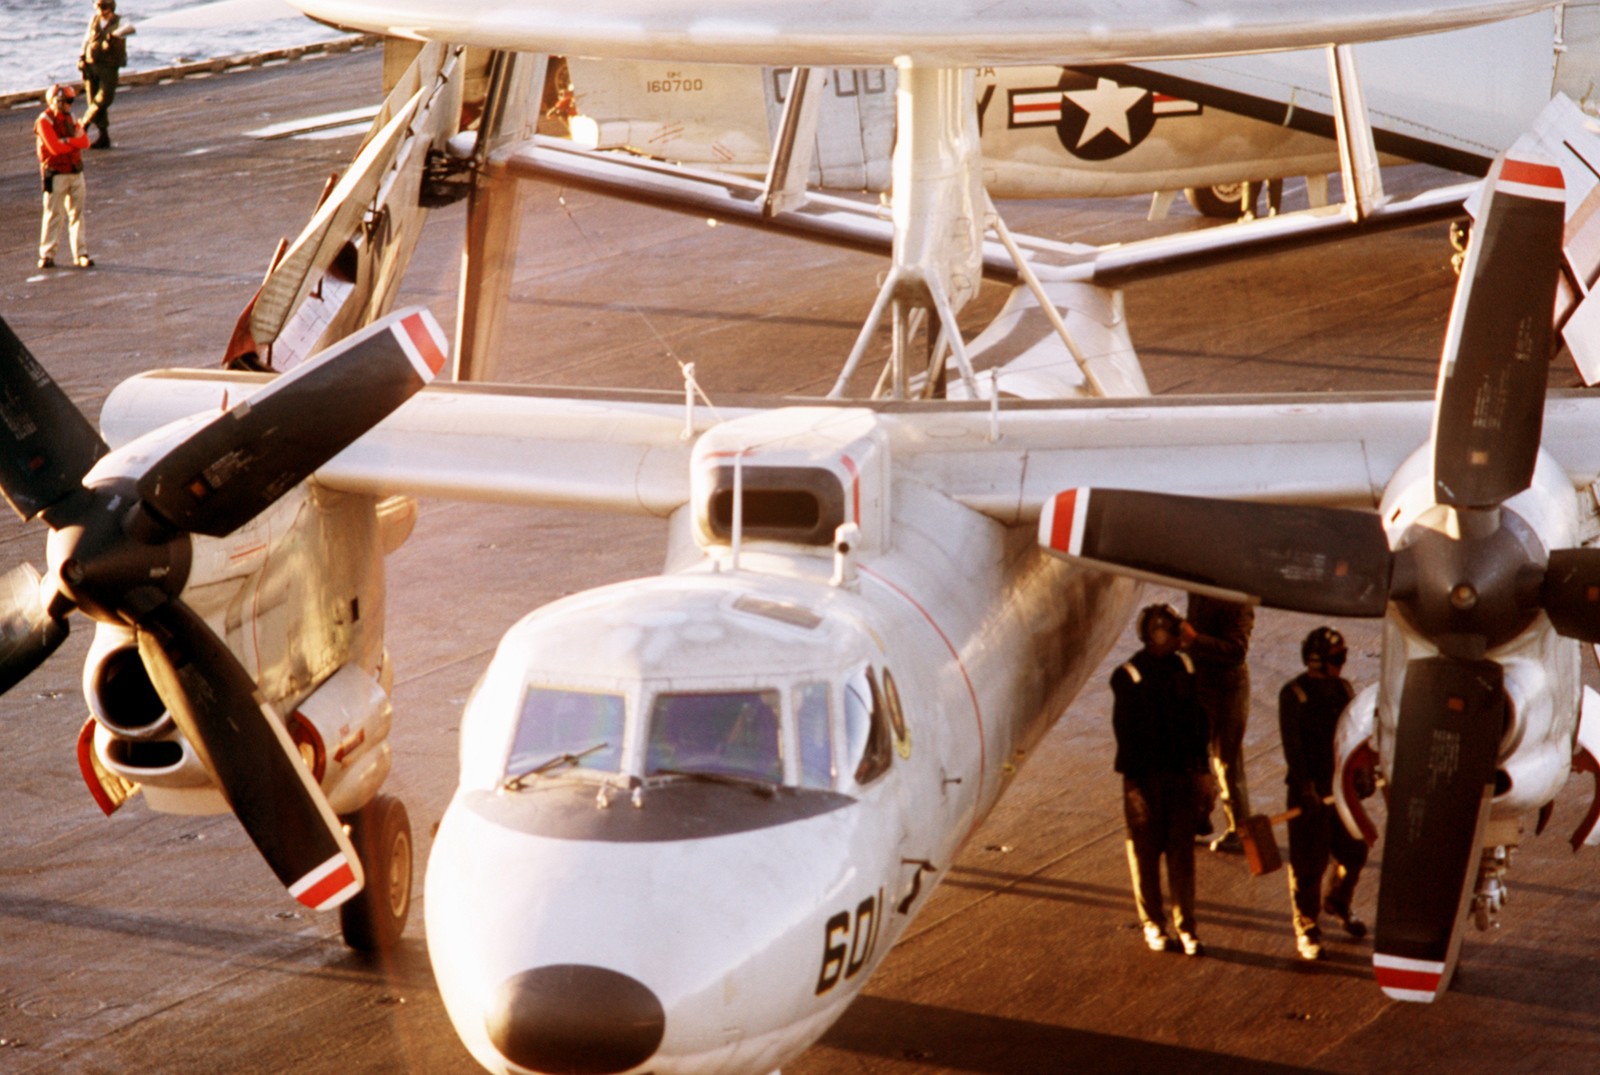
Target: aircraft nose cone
(571,1019)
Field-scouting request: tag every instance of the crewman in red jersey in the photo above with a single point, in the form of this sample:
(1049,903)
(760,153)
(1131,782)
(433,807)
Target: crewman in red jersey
(61,141)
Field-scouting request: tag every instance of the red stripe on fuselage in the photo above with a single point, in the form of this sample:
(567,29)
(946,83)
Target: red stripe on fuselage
(855,488)
(972,693)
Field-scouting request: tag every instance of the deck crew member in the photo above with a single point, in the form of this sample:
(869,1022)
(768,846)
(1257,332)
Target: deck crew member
(1308,713)
(61,140)
(1161,754)
(104,54)
(1216,634)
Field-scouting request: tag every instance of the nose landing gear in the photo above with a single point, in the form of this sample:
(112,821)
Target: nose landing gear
(1490,895)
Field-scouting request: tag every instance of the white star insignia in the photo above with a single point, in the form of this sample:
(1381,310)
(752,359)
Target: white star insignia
(1107,105)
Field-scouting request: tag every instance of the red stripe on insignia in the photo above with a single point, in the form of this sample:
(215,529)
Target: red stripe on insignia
(336,881)
(1047,106)
(422,339)
(1061,525)
(1419,981)
(1534,175)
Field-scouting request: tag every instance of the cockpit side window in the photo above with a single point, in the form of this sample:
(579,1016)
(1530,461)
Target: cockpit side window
(812,729)
(563,728)
(868,739)
(734,733)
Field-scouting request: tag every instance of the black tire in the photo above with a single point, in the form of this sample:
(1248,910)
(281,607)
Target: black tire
(374,919)
(1225,201)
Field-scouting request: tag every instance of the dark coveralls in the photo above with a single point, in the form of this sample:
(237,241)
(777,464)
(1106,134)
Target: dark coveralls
(1308,711)
(1220,640)
(104,55)
(1161,753)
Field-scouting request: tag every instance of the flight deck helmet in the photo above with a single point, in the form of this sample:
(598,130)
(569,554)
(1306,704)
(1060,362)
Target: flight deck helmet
(1153,616)
(1324,649)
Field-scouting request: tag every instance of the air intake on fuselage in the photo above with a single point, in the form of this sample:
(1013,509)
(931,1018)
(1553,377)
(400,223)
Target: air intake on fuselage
(804,505)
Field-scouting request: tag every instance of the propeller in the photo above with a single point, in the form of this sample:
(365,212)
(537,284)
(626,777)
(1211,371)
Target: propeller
(120,550)
(1467,576)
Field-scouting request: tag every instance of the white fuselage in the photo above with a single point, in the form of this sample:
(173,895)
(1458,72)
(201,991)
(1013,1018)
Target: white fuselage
(751,913)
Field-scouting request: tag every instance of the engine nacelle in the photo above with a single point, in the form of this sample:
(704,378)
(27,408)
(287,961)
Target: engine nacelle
(342,730)
(1536,754)
(118,689)
(166,767)
(1354,753)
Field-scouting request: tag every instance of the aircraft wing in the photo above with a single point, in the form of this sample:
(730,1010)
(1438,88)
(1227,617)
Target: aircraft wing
(627,451)
(954,33)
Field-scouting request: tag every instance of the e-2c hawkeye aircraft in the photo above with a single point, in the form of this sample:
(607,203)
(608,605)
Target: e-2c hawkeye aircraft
(858,633)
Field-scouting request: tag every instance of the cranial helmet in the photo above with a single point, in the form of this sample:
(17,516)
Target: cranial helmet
(63,93)
(1322,647)
(1151,615)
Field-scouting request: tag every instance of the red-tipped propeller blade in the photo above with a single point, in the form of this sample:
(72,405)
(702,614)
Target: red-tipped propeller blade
(218,707)
(1571,594)
(230,471)
(1497,350)
(1452,715)
(1308,559)
(46,444)
(28,633)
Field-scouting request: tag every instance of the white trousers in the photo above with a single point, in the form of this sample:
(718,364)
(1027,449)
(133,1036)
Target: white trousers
(63,204)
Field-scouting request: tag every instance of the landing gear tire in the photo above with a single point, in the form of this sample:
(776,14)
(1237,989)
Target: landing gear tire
(374,919)
(1225,201)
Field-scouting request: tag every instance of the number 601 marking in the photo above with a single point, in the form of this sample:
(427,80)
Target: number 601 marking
(848,941)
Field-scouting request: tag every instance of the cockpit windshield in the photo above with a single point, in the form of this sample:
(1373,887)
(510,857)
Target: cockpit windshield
(732,733)
(583,729)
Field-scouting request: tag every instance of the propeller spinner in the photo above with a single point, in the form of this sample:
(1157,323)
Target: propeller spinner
(1467,576)
(120,550)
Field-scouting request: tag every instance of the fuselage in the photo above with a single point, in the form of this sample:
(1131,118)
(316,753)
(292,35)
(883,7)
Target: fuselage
(650,902)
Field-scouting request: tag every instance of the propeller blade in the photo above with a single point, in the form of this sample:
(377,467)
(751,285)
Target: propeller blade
(218,707)
(28,633)
(1571,594)
(46,444)
(1452,715)
(233,469)
(1322,560)
(1500,339)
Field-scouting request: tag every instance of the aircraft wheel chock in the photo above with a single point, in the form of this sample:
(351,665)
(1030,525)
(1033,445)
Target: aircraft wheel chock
(374,919)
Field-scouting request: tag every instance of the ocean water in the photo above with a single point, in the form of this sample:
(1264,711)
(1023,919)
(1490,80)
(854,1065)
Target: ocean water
(39,39)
